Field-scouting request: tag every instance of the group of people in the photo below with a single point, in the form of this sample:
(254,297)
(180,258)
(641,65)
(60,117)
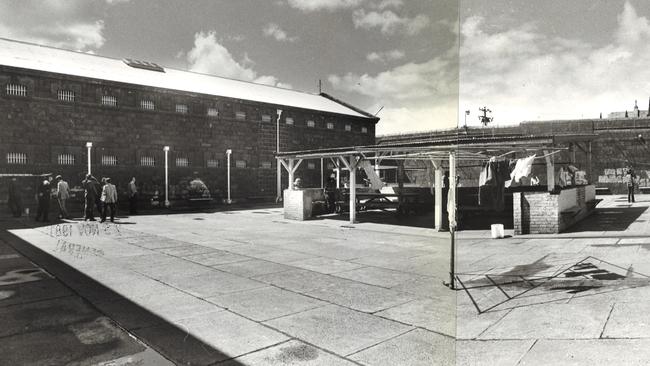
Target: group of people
(102,195)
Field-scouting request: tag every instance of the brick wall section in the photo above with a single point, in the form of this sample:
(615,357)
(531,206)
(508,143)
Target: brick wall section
(43,127)
(539,212)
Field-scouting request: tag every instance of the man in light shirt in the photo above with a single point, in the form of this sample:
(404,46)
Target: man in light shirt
(62,195)
(109,199)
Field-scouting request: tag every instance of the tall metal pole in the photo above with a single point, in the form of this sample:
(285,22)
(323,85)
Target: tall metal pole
(89,146)
(228,152)
(451,208)
(166,150)
(278,174)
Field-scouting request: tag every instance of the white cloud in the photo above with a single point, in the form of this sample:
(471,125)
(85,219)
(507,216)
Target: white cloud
(63,24)
(330,5)
(210,57)
(111,2)
(389,22)
(383,4)
(523,74)
(385,56)
(415,96)
(274,30)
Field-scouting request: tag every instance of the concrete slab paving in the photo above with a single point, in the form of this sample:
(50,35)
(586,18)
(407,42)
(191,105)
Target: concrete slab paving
(291,353)
(415,348)
(628,320)
(377,276)
(213,283)
(491,353)
(435,315)
(594,352)
(265,303)
(568,321)
(359,296)
(230,333)
(216,257)
(325,265)
(339,330)
(252,268)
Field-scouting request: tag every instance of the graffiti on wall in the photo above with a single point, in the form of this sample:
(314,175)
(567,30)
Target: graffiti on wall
(618,176)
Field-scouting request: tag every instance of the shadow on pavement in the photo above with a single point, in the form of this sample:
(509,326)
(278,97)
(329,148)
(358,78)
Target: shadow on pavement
(166,338)
(609,219)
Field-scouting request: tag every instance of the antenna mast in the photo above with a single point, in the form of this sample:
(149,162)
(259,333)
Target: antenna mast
(484,119)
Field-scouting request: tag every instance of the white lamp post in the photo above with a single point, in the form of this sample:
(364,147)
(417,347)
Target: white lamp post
(228,152)
(278,173)
(166,150)
(89,146)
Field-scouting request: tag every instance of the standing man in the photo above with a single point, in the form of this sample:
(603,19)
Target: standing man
(62,195)
(109,198)
(133,197)
(630,178)
(90,196)
(44,194)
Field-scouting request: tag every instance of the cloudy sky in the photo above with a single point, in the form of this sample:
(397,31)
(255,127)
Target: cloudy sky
(556,60)
(401,55)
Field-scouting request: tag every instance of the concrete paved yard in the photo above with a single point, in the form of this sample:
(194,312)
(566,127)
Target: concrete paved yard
(577,298)
(250,288)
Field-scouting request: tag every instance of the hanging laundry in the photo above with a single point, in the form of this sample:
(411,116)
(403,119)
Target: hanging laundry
(523,168)
(492,184)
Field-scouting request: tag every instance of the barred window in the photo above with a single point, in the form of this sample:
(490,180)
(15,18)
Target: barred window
(266,118)
(181,108)
(213,112)
(348,128)
(240,115)
(147,104)
(66,159)
(17,89)
(109,100)
(213,163)
(311,123)
(66,95)
(147,161)
(240,164)
(364,129)
(16,158)
(311,165)
(182,162)
(109,160)
(266,165)
(330,125)
(288,120)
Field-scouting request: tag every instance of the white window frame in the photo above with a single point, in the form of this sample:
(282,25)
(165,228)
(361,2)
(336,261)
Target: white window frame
(289,120)
(147,161)
(109,100)
(240,115)
(348,127)
(182,162)
(147,105)
(330,125)
(14,158)
(311,123)
(212,112)
(213,163)
(182,108)
(18,90)
(266,118)
(266,165)
(66,95)
(66,159)
(240,164)
(109,160)
(364,129)
(311,165)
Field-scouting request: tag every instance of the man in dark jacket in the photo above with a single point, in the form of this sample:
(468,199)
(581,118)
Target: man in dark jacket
(91,196)
(44,194)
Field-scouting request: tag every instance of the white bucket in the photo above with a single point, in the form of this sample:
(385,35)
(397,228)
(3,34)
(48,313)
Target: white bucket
(497,231)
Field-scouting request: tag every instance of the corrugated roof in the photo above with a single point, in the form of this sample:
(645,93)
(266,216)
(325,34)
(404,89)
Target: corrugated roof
(55,60)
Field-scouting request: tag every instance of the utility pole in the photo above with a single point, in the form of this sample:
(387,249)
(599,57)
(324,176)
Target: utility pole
(484,119)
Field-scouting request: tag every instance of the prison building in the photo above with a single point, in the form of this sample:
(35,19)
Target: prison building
(54,101)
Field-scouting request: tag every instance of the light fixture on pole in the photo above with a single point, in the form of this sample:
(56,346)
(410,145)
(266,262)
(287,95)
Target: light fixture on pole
(466,114)
(228,152)
(89,145)
(166,150)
